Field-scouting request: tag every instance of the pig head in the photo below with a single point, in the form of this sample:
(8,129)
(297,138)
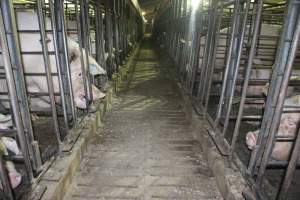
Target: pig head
(287,128)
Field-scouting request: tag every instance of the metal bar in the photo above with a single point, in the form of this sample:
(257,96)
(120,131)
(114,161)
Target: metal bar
(57,60)
(260,4)
(11,84)
(64,55)
(48,73)
(81,42)
(237,64)
(229,54)
(84,8)
(212,60)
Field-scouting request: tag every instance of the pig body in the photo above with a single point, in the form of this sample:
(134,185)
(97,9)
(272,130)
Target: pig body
(34,63)
(287,128)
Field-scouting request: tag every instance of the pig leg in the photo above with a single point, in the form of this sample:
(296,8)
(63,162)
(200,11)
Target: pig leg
(14,176)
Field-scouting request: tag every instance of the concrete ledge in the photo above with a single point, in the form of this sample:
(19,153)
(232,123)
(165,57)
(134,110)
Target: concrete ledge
(229,179)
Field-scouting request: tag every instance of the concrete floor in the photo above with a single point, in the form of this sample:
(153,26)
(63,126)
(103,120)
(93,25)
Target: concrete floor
(145,149)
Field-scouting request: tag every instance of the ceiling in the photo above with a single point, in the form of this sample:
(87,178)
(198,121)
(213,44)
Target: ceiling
(148,6)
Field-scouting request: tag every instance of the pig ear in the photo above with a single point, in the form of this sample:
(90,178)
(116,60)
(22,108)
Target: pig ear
(97,94)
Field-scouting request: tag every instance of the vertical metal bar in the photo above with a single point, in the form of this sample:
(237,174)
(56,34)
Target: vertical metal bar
(58,64)
(11,84)
(290,170)
(98,31)
(228,62)
(211,45)
(212,62)
(85,28)
(64,55)
(81,40)
(115,33)
(203,68)
(247,74)
(48,73)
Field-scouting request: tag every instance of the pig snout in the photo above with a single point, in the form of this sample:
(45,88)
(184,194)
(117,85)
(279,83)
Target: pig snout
(80,99)
(15,179)
(251,139)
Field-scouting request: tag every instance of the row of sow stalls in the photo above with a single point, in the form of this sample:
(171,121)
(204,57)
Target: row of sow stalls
(239,61)
(56,60)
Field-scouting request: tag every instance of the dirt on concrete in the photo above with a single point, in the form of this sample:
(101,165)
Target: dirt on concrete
(145,149)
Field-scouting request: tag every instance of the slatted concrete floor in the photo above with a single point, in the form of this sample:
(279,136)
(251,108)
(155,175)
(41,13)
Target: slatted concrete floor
(146,149)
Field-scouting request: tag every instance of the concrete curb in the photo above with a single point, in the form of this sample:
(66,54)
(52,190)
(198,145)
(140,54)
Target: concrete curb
(229,179)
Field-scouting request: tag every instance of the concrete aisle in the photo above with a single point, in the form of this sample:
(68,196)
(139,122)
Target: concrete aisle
(146,149)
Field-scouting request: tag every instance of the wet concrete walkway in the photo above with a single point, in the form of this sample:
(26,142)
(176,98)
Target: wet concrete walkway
(146,149)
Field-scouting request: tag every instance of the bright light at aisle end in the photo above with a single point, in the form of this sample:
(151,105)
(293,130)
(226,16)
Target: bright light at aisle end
(195,4)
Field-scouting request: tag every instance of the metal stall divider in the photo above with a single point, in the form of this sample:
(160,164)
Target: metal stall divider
(209,47)
(84,32)
(57,10)
(115,21)
(40,5)
(268,136)
(249,65)
(200,43)
(122,29)
(212,55)
(19,129)
(108,39)
(22,130)
(82,41)
(100,46)
(239,22)
(62,74)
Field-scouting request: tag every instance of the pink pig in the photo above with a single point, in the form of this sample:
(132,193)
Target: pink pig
(287,128)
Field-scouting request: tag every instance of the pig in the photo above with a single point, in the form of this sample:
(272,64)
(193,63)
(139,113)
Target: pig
(35,63)
(265,74)
(5,121)
(288,127)
(266,30)
(14,176)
